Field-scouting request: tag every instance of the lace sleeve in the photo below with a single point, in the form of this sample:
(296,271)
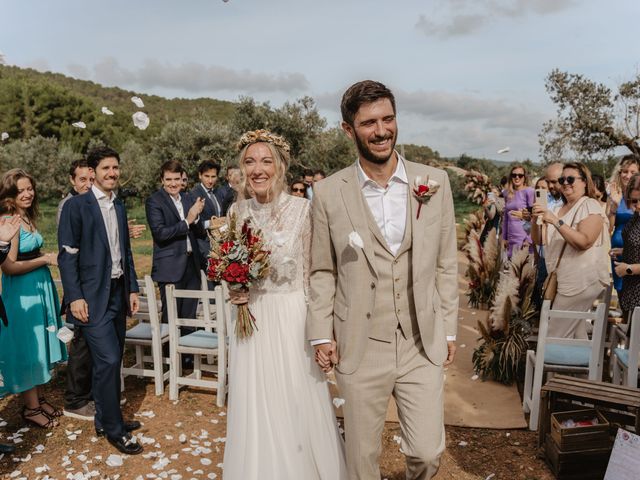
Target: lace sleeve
(307,228)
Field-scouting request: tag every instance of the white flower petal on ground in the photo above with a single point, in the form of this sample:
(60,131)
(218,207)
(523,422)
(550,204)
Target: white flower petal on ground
(42,469)
(79,125)
(161,463)
(212,476)
(114,460)
(338,402)
(490,476)
(198,413)
(222,414)
(463,345)
(182,438)
(205,461)
(474,377)
(140,120)
(4,136)
(146,414)
(138,102)
(462,444)
(106,111)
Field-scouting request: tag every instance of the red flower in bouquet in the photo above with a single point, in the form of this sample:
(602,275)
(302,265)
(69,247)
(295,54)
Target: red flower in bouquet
(236,273)
(226,247)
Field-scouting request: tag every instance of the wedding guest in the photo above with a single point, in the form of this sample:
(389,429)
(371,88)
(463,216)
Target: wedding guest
(9,227)
(319,175)
(297,188)
(81,179)
(629,267)
(518,199)
(29,346)
(619,212)
(541,267)
(185,182)
(552,172)
(493,208)
(575,233)
(232,179)
(101,288)
(307,176)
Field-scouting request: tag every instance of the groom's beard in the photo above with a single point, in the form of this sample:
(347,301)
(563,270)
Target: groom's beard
(368,155)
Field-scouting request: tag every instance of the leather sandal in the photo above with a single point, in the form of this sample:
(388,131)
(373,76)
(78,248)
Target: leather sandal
(55,412)
(28,415)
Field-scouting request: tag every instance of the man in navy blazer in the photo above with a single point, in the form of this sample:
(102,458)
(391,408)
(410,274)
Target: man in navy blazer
(216,199)
(9,227)
(173,218)
(100,288)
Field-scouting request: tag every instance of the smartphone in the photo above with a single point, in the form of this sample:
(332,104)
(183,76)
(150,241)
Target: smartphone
(542,194)
(491,196)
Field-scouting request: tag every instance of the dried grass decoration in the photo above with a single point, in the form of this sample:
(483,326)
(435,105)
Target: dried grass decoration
(483,270)
(503,345)
(239,257)
(477,185)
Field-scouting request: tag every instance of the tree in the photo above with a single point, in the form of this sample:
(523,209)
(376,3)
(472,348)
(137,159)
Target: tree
(591,120)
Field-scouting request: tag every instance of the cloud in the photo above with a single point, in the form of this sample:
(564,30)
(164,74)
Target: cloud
(453,123)
(193,77)
(463,17)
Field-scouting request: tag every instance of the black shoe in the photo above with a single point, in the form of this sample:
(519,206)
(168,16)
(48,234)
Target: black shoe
(4,448)
(128,427)
(126,444)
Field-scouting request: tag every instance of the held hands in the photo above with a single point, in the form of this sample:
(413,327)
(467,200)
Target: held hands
(327,356)
(195,210)
(80,310)
(9,226)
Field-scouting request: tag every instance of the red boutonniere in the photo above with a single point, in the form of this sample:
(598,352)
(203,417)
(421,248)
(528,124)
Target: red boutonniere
(424,189)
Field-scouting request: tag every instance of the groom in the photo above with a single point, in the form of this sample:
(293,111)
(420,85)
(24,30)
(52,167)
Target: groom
(384,294)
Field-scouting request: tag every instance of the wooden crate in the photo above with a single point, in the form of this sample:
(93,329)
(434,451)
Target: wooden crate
(619,405)
(571,439)
(587,464)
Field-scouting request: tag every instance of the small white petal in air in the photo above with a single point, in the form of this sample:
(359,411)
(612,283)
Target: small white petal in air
(79,125)
(138,102)
(106,111)
(140,120)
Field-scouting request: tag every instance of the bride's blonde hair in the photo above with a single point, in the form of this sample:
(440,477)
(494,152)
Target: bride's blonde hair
(279,152)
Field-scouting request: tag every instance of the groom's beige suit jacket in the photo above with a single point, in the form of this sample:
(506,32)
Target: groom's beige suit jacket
(345,282)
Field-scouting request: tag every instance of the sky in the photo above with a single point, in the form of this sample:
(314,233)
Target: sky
(468,75)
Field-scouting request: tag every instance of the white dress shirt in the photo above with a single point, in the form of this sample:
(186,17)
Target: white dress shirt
(388,204)
(178,203)
(107,208)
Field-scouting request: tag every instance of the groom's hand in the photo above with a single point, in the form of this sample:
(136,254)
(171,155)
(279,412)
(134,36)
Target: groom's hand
(451,348)
(327,356)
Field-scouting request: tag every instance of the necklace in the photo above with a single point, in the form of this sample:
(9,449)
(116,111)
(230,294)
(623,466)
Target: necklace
(27,222)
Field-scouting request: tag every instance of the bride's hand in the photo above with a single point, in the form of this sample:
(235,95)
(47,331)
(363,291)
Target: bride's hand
(239,297)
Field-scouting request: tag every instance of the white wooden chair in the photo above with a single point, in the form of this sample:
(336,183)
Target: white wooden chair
(625,360)
(565,355)
(210,340)
(148,333)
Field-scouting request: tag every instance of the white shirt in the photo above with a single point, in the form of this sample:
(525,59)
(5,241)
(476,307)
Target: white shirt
(107,208)
(388,204)
(178,203)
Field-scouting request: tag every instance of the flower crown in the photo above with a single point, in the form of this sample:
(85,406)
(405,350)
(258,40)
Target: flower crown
(256,136)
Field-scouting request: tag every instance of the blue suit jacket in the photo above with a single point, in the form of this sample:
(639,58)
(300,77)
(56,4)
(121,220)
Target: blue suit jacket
(170,237)
(87,273)
(210,209)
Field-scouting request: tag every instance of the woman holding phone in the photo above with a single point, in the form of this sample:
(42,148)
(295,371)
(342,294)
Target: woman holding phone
(518,197)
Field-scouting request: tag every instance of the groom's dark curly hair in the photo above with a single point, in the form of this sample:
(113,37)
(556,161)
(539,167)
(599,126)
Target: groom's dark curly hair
(358,94)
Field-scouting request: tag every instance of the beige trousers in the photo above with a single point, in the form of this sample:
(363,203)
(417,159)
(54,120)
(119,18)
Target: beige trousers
(399,368)
(582,302)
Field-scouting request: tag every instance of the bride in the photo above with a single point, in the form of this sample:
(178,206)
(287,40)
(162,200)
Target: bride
(281,424)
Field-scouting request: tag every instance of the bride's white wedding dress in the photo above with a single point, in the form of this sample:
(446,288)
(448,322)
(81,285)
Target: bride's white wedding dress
(280,424)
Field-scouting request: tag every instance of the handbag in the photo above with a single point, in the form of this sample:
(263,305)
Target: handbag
(550,285)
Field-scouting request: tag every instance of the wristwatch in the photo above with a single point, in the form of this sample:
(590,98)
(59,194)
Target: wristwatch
(629,271)
(559,224)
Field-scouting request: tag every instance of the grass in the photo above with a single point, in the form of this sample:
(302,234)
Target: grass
(463,208)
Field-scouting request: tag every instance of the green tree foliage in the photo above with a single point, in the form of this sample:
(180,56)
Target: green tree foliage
(591,120)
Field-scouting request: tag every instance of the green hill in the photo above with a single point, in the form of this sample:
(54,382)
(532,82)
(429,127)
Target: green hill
(36,103)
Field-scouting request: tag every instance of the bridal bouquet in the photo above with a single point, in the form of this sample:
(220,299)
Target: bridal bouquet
(239,257)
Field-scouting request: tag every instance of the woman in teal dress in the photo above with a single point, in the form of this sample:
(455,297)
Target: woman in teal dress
(29,347)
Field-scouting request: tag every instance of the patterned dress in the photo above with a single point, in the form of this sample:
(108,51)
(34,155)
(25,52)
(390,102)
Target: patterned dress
(623,215)
(630,294)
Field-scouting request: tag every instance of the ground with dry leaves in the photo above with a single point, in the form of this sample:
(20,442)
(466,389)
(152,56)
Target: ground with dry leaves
(185,440)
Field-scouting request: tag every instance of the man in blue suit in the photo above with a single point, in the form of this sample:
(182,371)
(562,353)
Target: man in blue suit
(100,288)
(173,218)
(216,199)
(9,227)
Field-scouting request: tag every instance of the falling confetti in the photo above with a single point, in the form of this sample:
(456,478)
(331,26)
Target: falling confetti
(504,150)
(140,120)
(4,136)
(79,125)
(106,111)
(138,102)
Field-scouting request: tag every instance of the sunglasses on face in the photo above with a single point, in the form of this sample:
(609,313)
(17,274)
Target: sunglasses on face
(299,190)
(570,180)
(633,201)
(517,175)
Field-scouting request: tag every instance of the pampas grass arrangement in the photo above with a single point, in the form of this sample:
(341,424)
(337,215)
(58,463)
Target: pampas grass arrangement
(477,185)
(503,342)
(483,270)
